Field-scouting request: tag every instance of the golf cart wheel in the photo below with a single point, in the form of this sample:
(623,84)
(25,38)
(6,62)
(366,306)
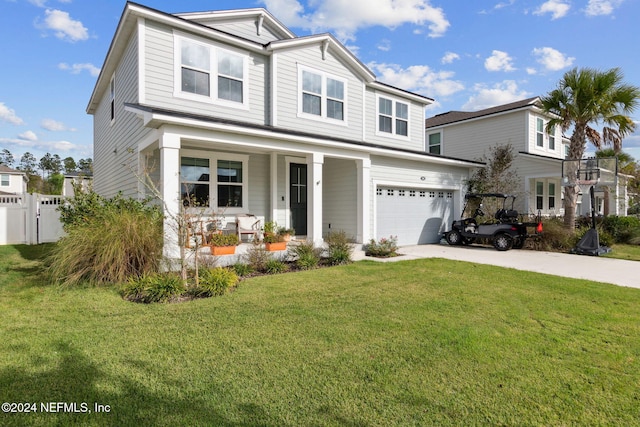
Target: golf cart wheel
(503,242)
(454,237)
(518,243)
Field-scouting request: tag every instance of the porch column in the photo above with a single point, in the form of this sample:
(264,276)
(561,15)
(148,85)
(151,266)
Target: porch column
(274,186)
(363,168)
(169,145)
(315,162)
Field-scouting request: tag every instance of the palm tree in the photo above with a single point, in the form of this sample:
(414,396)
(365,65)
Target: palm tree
(586,97)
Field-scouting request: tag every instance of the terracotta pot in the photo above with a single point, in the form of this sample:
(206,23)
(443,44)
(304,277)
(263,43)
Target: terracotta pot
(223,250)
(278,246)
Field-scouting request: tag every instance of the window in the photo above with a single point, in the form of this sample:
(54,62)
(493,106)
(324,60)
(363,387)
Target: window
(322,95)
(112,97)
(195,181)
(229,183)
(228,186)
(539,132)
(4,180)
(552,139)
(207,72)
(539,195)
(434,143)
(393,117)
(552,195)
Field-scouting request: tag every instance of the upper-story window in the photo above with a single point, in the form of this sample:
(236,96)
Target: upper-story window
(393,117)
(435,143)
(210,73)
(321,95)
(539,132)
(552,138)
(4,180)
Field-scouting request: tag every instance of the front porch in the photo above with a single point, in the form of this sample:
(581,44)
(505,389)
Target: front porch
(294,185)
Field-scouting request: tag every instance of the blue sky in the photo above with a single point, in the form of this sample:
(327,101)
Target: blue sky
(466,55)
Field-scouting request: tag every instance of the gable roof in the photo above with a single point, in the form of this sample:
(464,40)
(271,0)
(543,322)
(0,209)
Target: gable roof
(7,169)
(459,116)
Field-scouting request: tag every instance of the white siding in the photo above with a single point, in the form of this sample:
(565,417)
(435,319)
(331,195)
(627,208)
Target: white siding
(471,140)
(159,80)
(287,96)
(557,153)
(115,143)
(245,28)
(340,196)
(415,139)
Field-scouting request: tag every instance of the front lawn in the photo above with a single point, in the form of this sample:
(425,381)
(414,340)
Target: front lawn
(425,342)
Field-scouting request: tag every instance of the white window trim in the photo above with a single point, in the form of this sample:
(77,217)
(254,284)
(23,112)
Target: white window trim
(212,98)
(2,180)
(213,178)
(545,147)
(393,133)
(428,145)
(323,97)
(545,194)
(538,132)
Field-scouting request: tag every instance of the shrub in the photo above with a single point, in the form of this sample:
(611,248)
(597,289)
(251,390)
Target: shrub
(216,281)
(257,257)
(621,228)
(555,237)
(107,241)
(305,255)
(385,247)
(242,269)
(275,266)
(154,287)
(339,248)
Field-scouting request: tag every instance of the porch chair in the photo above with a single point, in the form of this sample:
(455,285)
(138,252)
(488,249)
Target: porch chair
(248,224)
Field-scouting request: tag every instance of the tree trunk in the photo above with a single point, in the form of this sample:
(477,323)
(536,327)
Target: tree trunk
(570,203)
(576,150)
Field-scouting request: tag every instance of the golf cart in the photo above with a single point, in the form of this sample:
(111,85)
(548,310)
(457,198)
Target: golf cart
(504,231)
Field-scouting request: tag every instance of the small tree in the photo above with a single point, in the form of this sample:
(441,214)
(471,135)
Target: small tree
(498,176)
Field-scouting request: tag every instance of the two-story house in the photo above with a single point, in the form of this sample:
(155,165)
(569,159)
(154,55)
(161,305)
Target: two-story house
(538,153)
(12,181)
(233,109)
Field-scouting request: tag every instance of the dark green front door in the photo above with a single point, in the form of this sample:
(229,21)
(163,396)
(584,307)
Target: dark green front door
(298,196)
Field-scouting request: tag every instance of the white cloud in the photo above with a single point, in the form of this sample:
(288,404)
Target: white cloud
(28,136)
(78,68)
(385,45)
(499,61)
(557,8)
(63,26)
(449,57)
(418,78)
(551,59)
(345,18)
(531,71)
(602,7)
(55,126)
(500,93)
(8,115)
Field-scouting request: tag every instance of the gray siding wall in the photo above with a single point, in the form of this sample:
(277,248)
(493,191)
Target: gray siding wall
(113,140)
(287,97)
(159,80)
(415,140)
(259,186)
(471,140)
(340,195)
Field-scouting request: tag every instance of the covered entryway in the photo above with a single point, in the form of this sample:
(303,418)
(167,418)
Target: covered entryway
(298,197)
(414,215)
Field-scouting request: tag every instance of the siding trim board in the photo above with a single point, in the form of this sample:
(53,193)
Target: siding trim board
(155,117)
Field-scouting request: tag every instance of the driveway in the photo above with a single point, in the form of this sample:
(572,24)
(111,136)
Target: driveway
(597,269)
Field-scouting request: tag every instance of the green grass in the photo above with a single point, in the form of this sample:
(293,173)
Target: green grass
(628,252)
(425,342)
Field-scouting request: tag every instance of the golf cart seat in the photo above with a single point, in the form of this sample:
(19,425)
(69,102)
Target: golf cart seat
(505,215)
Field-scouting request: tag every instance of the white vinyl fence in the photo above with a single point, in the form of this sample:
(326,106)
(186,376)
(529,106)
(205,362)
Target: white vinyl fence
(30,219)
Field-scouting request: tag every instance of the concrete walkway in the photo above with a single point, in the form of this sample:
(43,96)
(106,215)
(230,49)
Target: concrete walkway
(597,269)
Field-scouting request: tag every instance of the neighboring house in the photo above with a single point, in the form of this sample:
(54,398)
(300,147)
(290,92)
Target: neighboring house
(233,109)
(12,181)
(75,179)
(538,154)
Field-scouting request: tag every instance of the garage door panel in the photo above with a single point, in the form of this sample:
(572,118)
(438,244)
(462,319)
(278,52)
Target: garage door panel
(415,216)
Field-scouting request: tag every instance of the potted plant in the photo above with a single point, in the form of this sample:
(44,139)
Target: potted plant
(223,244)
(286,233)
(274,242)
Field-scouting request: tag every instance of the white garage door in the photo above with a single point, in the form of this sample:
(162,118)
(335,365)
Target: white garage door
(416,216)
